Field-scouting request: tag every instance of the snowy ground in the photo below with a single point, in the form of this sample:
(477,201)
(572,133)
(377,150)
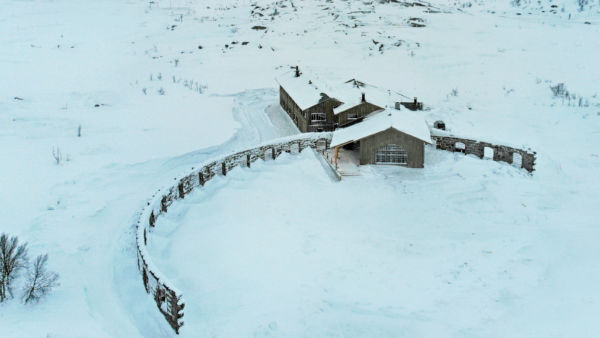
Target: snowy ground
(158,87)
(464,247)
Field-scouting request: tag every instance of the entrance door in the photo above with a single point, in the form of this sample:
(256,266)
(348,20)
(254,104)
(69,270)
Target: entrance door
(391,154)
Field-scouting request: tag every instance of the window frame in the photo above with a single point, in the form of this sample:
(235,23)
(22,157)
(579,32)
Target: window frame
(391,154)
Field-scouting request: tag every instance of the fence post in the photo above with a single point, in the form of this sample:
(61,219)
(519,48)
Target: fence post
(224,168)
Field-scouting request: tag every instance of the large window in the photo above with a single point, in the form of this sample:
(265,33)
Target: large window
(391,154)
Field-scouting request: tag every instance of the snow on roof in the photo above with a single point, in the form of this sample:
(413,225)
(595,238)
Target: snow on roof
(350,93)
(305,89)
(405,121)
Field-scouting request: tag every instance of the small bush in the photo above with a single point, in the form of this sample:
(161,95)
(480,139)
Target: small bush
(559,90)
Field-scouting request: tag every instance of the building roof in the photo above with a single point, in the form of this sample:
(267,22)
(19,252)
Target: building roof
(350,94)
(307,88)
(404,121)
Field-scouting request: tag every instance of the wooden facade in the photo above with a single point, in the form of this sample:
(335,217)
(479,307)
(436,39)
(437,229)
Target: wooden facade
(414,147)
(324,107)
(308,120)
(293,110)
(356,112)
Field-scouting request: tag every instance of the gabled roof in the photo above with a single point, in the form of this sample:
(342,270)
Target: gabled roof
(402,120)
(350,93)
(305,89)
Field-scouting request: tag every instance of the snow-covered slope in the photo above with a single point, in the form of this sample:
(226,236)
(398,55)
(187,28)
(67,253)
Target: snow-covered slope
(159,86)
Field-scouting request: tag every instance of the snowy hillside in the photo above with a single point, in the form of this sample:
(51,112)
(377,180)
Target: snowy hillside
(132,94)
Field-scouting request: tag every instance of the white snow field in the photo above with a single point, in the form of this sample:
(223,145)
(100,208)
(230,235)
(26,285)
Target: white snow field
(465,247)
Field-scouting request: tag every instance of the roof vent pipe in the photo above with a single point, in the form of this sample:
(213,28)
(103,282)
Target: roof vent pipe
(415,101)
(363,98)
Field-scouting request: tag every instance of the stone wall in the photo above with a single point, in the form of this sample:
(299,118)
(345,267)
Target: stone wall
(168,298)
(477,148)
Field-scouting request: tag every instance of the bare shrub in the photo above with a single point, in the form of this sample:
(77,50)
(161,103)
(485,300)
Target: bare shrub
(559,89)
(13,257)
(39,280)
(57,155)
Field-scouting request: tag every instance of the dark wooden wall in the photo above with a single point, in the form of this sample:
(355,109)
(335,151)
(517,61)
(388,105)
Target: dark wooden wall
(362,109)
(293,110)
(413,146)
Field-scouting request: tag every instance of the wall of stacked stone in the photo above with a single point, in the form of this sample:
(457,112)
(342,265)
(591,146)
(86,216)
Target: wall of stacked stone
(477,148)
(167,297)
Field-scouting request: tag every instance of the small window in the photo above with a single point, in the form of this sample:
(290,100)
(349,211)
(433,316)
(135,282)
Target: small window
(318,117)
(352,116)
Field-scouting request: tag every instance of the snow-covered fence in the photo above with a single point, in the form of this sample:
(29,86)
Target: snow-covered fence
(167,297)
(478,148)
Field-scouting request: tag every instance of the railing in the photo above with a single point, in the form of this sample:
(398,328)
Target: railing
(167,297)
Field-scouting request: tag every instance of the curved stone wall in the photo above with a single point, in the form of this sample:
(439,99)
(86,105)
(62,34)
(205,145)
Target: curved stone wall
(477,148)
(167,297)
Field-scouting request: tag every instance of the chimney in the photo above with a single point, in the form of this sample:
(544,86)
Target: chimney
(297,72)
(363,98)
(415,101)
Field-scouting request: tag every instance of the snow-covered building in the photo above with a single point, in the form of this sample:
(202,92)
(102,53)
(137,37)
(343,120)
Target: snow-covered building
(316,104)
(386,137)
(366,119)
